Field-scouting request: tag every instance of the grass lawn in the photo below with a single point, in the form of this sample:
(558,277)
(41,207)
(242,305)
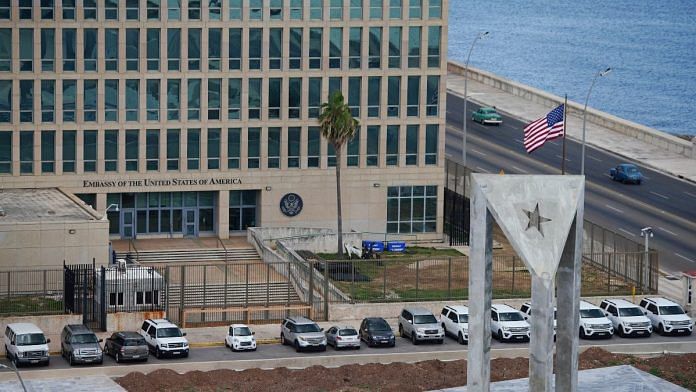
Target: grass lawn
(19,306)
(413,252)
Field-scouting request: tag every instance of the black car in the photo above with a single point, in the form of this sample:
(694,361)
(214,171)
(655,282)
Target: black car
(126,346)
(375,331)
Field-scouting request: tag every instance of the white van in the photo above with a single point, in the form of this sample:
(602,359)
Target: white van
(25,344)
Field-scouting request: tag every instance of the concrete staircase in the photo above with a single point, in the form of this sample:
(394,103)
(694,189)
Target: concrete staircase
(190,255)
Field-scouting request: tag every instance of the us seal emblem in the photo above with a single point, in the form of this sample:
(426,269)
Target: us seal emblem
(291,204)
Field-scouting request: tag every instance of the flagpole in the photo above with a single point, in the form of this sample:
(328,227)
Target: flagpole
(565,124)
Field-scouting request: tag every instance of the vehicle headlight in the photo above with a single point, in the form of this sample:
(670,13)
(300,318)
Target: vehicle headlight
(300,338)
(20,354)
(668,323)
(99,351)
(163,345)
(465,329)
(506,328)
(420,330)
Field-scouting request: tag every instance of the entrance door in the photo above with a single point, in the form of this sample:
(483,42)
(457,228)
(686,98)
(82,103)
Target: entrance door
(190,223)
(127,223)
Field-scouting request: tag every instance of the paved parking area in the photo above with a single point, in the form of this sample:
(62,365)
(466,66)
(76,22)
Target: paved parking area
(74,384)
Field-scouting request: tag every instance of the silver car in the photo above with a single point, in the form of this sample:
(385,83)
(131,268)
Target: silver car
(302,333)
(343,337)
(420,324)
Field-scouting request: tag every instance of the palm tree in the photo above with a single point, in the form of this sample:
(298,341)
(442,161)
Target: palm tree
(338,126)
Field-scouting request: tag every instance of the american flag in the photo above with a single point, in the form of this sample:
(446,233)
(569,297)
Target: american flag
(546,128)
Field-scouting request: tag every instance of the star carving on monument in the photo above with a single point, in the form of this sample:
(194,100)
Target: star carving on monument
(535,219)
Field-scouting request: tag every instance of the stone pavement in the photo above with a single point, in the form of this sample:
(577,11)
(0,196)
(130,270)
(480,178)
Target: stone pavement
(74,384)
(597,136)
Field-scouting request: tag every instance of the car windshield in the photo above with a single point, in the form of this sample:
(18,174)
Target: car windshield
(631,170)
(424,319)
(348,332)
(31,339)
(170,332)
(510,316)
(242,331)
(134,342)
(591,313)
(379,326)
(670,310)
(630,312)
(84,338)
(463,318)
(306,328)
(488,111)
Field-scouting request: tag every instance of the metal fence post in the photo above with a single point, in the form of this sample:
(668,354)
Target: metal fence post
(311,289)
(609,275)
(246,291)
(352,281)
(167,290)
(326,290)
(514,269)
(224,300)
(384,280)
(182,284)
(417,276)
(45,291)
(449,277)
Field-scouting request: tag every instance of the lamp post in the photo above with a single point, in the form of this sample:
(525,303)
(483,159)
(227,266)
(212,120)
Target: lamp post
(584,117)
(14,368)
(466,79)
(113,205)
(646,233)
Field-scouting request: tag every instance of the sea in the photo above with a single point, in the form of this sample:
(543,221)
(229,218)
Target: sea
(559,45)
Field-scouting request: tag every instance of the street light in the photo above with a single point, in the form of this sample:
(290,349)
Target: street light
(647,233)
(466,79)
(14,368)
(114,206)
(584,116)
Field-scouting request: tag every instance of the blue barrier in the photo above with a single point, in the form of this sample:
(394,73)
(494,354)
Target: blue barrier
(396,246)
(376,246)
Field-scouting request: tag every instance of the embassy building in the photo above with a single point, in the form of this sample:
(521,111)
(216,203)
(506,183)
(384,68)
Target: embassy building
(181,118)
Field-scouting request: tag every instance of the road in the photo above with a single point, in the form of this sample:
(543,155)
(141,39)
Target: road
(666,203)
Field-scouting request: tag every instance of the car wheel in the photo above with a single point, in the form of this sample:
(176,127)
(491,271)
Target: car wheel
(414,340)
(282,340)
(638,182)
(660,329)
(297,346)
(158,353)
(441,341)
(582,333)
(118,358)
(71,362)
(460,338)
(621,331)
(499,335)
(401,331)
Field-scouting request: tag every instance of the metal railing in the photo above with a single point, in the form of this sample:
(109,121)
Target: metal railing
(27,292)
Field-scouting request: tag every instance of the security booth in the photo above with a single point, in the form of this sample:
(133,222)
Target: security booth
(129,288)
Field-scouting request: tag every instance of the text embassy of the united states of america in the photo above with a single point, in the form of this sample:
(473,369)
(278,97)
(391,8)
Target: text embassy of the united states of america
(162,182)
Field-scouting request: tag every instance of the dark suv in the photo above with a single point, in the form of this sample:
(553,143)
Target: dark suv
(375,331)
(126,346)
(78,344)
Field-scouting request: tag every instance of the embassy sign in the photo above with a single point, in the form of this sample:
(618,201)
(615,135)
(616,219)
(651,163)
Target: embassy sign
(170,182)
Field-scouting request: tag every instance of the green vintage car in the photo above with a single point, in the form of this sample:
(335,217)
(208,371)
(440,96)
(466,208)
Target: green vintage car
(487,115)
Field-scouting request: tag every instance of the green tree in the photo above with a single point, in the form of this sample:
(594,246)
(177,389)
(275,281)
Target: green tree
(338,126)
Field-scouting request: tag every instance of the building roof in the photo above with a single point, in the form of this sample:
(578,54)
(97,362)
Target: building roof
(42,205)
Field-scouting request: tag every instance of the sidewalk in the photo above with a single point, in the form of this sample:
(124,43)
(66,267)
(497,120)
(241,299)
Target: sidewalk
(597,136)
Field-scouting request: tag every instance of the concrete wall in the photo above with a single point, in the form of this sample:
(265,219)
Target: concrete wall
(616,124)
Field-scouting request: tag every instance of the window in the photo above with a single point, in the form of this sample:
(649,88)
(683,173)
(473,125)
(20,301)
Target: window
(296,9)
(294,147)
(90,100)
(354,87)
(235,48)
(335,84)
(116,299)
(432,95)
(235,9)
(194,49)
(111,150)
(152,149)
(173,149)
(414,45)
(26,152)
(214,9)
(153,9)
(174,9)
(330,155)
(411,209)
(372,147)
(111,49)
(255,48)
(132,99)
(254,98)
(273,148)
(415,9)
(48,51)
(356,9)
(69,100)
(234,98)
(255,9)
(214,88)
(194,9)
(68,9)
(294,97)
(69,151)
(193,148)
(313,146)
(375,47)
(242,210)
(375,9)
(276,9)
(48,151)
(153,49)
(316,9)
(434,46)
(26,50)
(373,96)
(435,9)
(413,96)
(353,150)
(214,148)
(336,10)
(194,99)
(315,46)
(111,100)
(295,48)
(395,7)
(90,49)
(132,8)
(393,96)
(152,91)
(233,147)
(275,90)
(392,155)
(89,146)
(173,49)
(132,49)
(431,136)
(90,9)
(5,152)
(275,48)
(25,9)
(110,9)
(48,100)
(5,49)
(395,47)
(253,147)
(335,47)
(214,49)
(5,101)
(314,97)
(26,101)
(132,147)
(411,145)
(5,9)
(354,47)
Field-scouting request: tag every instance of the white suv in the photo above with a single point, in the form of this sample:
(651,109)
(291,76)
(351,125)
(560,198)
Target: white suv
(667,317)
(526,310)
(628,318)
(25,343)
(507,323)
(593,323)
(455,322)
(164,338)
